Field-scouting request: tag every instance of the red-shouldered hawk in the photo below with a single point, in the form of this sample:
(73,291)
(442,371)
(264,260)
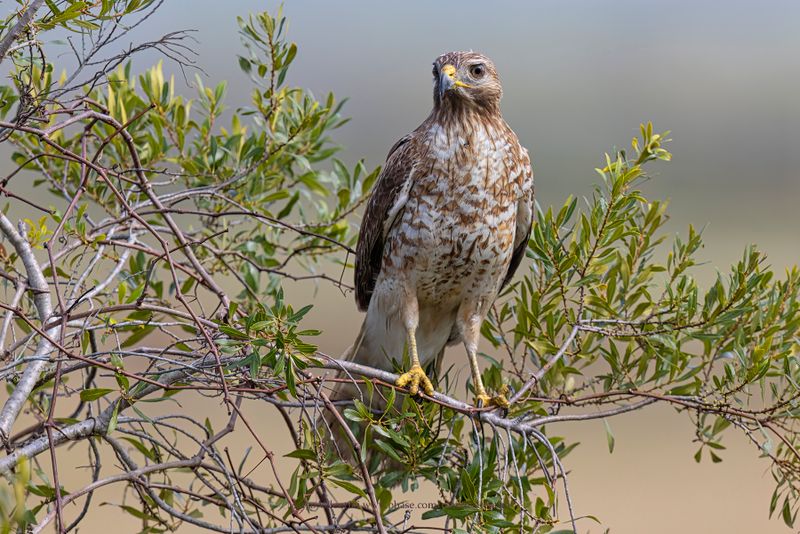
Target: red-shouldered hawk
(446,227)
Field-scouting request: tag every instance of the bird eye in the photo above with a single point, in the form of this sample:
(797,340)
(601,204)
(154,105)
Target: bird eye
(477,71)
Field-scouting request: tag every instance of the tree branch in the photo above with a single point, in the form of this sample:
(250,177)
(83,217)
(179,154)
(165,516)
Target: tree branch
(41,298)
(19,27)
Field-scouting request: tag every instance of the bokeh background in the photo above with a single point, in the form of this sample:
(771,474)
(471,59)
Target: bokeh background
(579,77)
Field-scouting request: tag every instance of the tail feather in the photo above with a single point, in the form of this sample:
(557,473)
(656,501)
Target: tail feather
(328,424)
(381,339)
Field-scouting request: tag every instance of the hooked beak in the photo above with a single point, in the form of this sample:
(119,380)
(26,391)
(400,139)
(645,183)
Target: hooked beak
(447,79)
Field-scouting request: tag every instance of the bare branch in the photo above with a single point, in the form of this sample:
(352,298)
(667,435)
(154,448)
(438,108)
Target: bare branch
(41,297)
(22,22)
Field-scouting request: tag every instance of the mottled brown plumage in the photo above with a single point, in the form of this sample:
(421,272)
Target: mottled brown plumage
(446,226)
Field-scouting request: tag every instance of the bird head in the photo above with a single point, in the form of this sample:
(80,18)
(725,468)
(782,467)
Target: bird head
(466,78)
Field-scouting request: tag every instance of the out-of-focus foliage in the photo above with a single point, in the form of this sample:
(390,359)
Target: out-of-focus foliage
(164,227)
(75,15)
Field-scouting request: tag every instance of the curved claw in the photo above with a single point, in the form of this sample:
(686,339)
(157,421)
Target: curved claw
(414,378)
(482,399)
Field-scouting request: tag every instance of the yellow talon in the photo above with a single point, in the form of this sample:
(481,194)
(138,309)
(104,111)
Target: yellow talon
(500,401)
(484,401)
(413,379)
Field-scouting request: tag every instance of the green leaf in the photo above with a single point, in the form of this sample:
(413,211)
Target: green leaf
(88,395)
(148,453)
(232,332)
(139,334)
(609,437)
(786,513)
(302,454)
(457,511)
(112,423)
(349,486)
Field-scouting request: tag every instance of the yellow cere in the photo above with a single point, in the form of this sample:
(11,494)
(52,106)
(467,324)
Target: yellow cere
(450,71)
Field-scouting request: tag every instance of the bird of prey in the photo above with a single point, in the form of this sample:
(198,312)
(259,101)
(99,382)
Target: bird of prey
(446,226)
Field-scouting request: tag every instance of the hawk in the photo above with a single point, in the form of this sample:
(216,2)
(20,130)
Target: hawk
(445,229)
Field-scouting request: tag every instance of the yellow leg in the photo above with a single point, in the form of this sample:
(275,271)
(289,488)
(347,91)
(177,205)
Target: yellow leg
(470,329)
(481,398)
(415,376)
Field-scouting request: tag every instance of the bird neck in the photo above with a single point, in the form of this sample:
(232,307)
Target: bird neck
(457,114)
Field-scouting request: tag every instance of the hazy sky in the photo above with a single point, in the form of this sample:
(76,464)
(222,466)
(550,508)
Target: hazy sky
(579,77)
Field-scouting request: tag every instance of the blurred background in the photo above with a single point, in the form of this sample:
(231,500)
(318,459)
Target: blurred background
(579,77)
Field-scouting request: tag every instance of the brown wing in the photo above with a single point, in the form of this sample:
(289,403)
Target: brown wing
(525,209)
(388,197)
